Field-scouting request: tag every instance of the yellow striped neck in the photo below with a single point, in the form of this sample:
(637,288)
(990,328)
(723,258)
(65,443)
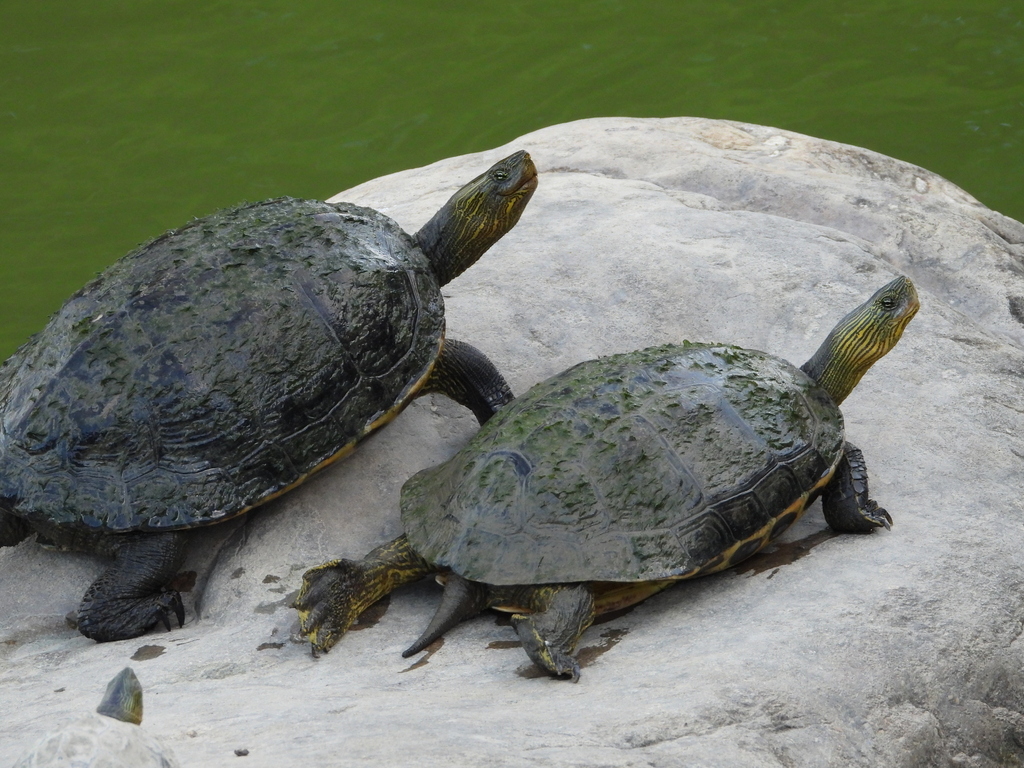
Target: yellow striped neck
(862,338)
(835,369)
(477,216)
(461,232)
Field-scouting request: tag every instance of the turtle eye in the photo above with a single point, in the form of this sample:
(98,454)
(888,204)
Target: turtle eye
(888,303)
(500,175)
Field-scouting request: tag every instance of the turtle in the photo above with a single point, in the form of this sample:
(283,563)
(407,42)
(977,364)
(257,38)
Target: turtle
(109,738)
(618,477)
(220,365)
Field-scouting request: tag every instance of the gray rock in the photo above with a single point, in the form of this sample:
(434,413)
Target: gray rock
(893,649)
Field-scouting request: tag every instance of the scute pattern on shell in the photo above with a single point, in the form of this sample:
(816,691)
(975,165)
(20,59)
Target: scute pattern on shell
(216,365)
(95,741)
(639,466)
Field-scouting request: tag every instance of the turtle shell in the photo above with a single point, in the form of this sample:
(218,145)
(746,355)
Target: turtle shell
(658,464)
(217,366)
(95,741)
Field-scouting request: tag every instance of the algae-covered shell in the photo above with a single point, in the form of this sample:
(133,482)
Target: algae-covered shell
(658,464)
(216,366)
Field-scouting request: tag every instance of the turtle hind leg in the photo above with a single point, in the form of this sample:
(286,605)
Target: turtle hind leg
(561,613)
(845,500)
(13,529)
(130,597)
(460,600)
(467,376)
(334,594)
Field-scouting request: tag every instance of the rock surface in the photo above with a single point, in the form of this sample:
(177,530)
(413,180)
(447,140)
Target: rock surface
(898,648)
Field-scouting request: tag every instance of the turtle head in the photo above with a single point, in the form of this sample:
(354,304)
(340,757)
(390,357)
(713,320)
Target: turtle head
(478,215)
(123,699)
(863,337)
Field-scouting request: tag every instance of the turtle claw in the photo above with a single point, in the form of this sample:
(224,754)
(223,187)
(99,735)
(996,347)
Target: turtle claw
(877,515)
(845,499)
(565,667)
(126,601)
(327,602)
(179,610)
(170,602)
(545,654)
(123,618)
(334,594)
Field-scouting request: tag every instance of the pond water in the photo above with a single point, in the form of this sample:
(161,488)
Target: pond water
(119,120)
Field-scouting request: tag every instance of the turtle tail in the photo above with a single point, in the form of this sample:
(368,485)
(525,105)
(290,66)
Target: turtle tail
(460,600)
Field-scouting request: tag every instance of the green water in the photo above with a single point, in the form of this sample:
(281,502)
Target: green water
(119,120)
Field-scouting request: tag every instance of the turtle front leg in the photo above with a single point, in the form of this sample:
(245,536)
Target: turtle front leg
(845,500)
(335,593)
(561,614)
(132,596)
(467,376)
